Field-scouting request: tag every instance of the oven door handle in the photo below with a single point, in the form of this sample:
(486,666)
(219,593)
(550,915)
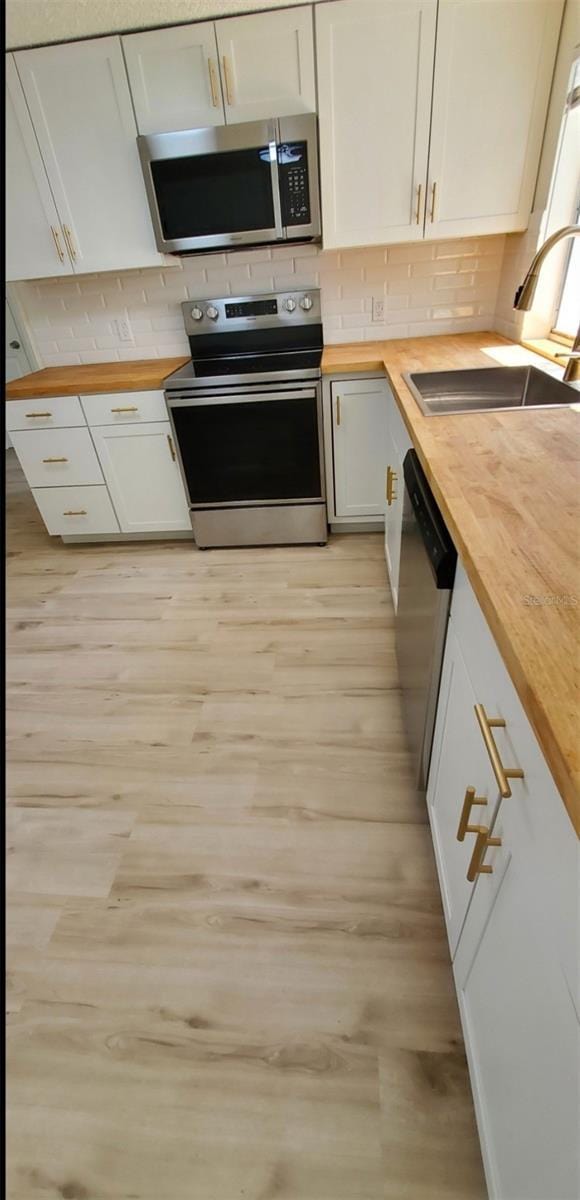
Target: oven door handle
(183,400)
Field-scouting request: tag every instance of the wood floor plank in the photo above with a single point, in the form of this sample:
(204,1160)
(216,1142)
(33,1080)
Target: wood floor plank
(228,972)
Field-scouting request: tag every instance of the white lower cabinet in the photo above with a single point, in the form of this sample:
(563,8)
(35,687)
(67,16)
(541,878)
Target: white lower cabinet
(510,894)
(57,457)
(462,791)
(520,1027)
(78,511)
(357,417)
(141,471)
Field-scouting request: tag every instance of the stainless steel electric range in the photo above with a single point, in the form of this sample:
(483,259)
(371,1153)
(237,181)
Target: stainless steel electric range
(246,414)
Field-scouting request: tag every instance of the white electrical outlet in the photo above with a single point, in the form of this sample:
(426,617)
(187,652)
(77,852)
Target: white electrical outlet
(378,309)
(123,329)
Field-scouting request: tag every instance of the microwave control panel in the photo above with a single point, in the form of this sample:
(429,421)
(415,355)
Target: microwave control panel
(295,193)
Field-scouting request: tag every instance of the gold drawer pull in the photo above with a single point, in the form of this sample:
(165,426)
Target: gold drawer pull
(433,194)
(390,494)
(338,410)
(51,460)
(39,414)
(228,82)
(75,512)
(418,213)
(482,841)
(502,774)
(213,83)
(470,799)
(127,408)
(69,241)
(171,447)
(56,240)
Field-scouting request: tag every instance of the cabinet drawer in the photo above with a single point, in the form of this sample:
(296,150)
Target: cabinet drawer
(50,413)
(57,457)
(122,408)
(76,510)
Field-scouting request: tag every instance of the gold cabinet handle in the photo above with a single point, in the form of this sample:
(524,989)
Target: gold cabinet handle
(482,841)
(51,460)
(338,410)
(418,212)
(171,447)
(69,241)
(126,408)
(502,774)
(213,82)
(75,512)
(470,799)
(433,194)
(390,494)
(56,240)
(227,80)
(39,414)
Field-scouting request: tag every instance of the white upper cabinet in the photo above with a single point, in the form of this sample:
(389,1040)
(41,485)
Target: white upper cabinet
(267,64)
(493,69)
(79,101)
(375,69)
(174,78)
(35,244)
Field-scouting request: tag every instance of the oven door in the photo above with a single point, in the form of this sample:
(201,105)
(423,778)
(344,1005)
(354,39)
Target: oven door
(247,448)
(211,188)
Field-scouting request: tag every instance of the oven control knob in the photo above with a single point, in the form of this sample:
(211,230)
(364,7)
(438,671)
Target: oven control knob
(212,312)
(290,305)
(197,313)
(306,303)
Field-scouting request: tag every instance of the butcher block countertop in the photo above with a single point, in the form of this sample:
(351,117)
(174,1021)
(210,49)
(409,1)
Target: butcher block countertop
(508,485)
(136,376)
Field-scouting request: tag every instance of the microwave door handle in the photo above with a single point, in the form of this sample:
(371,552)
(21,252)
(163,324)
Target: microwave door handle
(273,148)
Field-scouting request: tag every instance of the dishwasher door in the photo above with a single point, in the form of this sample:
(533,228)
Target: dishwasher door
(427,569)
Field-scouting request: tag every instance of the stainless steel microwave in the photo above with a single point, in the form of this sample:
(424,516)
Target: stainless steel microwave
(234,185)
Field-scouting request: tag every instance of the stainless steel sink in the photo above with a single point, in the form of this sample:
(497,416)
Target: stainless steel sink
(486,389)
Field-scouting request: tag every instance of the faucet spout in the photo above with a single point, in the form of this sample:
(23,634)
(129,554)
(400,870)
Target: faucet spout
(524,296)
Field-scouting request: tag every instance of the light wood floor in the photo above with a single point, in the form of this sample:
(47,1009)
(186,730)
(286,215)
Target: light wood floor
(228,971)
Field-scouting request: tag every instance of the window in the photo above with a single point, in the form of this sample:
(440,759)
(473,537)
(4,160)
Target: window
(565,209)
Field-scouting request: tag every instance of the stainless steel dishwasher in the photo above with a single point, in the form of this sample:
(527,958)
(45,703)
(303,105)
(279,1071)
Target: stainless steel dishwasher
(426,574)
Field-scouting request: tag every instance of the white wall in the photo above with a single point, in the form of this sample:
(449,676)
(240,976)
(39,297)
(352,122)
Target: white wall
(428,288)
(34,22)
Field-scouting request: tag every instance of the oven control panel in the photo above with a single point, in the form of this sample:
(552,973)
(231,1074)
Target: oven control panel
(243,313)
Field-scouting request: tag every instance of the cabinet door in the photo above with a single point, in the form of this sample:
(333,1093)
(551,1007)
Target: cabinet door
(520,1027)
(458,763)
(375,68)
(267,64)
(359,434)
(80,105)
(35,245)
(493,70)
(143,477)
(174,78)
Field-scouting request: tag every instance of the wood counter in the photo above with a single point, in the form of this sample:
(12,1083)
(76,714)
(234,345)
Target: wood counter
(138,375)
(508,485)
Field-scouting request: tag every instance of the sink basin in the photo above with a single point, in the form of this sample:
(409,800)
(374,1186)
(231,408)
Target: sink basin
(485,389)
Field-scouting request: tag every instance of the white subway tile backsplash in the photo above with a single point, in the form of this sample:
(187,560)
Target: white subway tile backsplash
(426,287)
